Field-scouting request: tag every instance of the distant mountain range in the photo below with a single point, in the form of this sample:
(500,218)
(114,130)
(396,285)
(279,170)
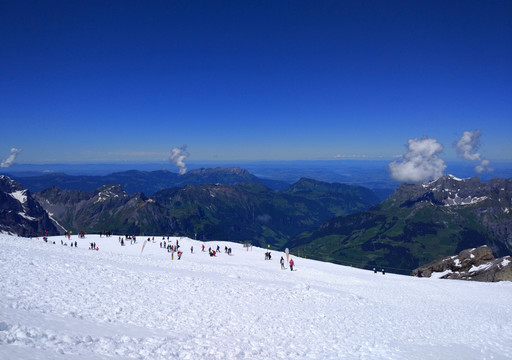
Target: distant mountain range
(243,212)
(147,182)
(327,221)
(416,225)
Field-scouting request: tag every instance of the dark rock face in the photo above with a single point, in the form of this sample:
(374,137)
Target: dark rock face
(20,213)
(476,264)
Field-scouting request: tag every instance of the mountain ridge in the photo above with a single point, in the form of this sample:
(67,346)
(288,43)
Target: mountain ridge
(418,224)
(242,212)
(147,182)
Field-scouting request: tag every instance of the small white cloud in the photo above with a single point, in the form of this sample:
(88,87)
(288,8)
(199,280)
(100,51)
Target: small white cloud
(10,160)
(351,156)
(421,163)
(177,157)
(467,147)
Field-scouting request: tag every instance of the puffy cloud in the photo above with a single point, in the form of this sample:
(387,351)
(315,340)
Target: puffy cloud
(177,157)
(467,145)
(421,163)
(467,149)
(10,160)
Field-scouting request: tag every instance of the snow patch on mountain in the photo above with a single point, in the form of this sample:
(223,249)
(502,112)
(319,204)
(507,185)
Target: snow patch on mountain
(457,201)
(24,215)
(110,192)
(20,195)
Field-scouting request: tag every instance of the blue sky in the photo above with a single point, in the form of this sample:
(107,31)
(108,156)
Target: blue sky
(95,81)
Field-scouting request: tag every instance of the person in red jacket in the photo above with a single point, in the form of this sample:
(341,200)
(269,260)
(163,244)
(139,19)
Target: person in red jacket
(291,264)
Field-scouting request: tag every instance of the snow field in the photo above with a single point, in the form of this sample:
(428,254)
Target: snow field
(61,302)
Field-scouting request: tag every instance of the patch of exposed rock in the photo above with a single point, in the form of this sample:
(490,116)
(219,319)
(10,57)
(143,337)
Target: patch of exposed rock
(476,264)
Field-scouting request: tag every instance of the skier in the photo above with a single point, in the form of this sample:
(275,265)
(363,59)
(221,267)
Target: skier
(179,255)
(191,249)
(282,263)
(383,272)
(374,270)
(291,264)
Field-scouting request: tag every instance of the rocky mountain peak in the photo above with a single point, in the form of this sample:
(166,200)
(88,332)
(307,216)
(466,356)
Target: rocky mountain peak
(110,191)
(449,190)
(8,185)
(20,213)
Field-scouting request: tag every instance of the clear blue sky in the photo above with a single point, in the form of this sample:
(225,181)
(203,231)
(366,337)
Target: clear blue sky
(93,81)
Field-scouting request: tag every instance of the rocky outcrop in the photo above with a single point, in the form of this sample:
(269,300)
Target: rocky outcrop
(20,213)
(476,264)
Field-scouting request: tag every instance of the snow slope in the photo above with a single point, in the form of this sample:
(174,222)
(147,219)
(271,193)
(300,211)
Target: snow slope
(61,302)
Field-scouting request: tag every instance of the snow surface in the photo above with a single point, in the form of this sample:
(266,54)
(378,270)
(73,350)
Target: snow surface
(20,195)
(62,302)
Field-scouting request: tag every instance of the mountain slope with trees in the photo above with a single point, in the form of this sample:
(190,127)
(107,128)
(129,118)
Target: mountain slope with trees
(243,212)
(416,225)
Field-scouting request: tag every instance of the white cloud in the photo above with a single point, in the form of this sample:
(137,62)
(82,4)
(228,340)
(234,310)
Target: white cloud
(351,156)
(177,157)
(421,163)
(10,160)
(467,145)
(467,149)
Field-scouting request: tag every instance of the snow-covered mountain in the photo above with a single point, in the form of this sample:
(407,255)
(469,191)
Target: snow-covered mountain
(138,302)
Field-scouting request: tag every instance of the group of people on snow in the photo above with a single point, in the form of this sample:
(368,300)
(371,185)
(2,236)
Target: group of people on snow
(174,248)
(291,263)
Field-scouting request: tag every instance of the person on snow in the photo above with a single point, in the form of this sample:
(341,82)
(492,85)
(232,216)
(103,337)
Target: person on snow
(282,263)
(192,249)
(291,264)
(179,255)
